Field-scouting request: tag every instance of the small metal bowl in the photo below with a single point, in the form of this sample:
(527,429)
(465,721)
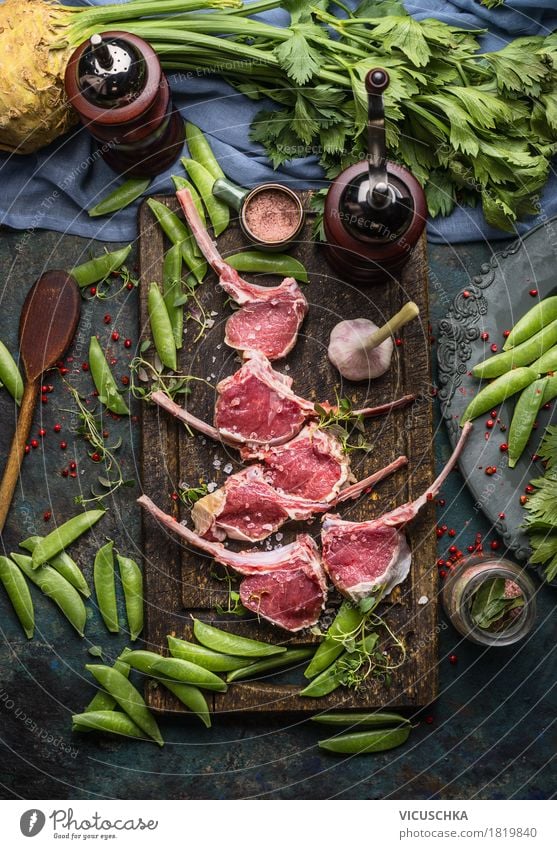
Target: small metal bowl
(240,199)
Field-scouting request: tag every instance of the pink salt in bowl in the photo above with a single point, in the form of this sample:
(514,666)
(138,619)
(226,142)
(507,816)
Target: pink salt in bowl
(271,215)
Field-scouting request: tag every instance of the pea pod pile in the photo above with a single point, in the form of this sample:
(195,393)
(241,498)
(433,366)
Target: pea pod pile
(59,577)
(526,365)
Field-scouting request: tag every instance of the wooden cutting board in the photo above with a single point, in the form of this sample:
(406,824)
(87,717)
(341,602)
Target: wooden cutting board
(179,583)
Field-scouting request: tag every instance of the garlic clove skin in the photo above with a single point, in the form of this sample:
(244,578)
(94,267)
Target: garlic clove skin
(348,351)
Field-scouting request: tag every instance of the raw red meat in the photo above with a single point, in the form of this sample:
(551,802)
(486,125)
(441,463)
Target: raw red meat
(256,407)
(269,317)
(313,465)
(287,585)
(248,508)
(361,557)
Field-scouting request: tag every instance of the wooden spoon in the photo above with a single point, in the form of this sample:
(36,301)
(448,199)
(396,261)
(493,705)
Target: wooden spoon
(49,319)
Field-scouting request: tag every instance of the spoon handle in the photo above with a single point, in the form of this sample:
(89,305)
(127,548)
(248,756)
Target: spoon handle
(17,450)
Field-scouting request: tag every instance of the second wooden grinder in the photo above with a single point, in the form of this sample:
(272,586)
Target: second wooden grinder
(375,211)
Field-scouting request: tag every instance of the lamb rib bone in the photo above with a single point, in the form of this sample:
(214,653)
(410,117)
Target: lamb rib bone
(361,557)
(269,317)
(249,509)
(287,586)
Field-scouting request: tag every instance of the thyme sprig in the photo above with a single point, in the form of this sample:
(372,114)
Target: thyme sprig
(104,288)
(234,606)
(90,428)
(348,428)
(147,377)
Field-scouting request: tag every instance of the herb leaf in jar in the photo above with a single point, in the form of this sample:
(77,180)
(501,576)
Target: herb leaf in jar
(492,603)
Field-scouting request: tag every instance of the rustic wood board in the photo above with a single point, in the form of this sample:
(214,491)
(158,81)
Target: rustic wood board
(180,583)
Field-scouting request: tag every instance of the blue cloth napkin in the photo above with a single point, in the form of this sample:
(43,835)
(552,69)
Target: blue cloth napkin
(51,189)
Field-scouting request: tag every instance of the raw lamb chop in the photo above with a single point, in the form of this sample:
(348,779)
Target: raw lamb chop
(287,586)
(313,465)
(269,317)
(257,407)
(248,508)
(361,557)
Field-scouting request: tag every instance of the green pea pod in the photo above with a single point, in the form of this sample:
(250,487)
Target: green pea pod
(103,700)
(259,262)
(334,676)
(182,183)
(367,719)
(64,564)
(129,699)
(208,659)
(10,376)
(132,584)
(192,698)
(105,384)
(108,721)
(55,587)
(18,593)
(524,416)
(200,150)
(172,290)
(547,362)
(217,210)
(542,314)
(522,355)
(105,586)
(228,643)
(99,268)
(291,657)
(346,622)
(120,197)
(550,391)
(161,327)
(179,234)
(366,742)
(62,537)
(174,669)
(498,391)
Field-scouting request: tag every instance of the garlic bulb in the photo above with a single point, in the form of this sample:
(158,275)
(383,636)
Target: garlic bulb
(362,351)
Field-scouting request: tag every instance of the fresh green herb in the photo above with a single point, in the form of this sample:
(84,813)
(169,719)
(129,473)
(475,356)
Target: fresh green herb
(541,519)
(190,494)
(460,120)
(123,276)
(342,423)
(147,378)
(491,606)
(91,429)
(234,606)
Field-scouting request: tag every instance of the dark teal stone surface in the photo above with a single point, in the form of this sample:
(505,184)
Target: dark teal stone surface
(490,736)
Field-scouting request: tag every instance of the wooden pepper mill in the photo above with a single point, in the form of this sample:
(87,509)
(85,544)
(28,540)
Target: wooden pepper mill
(116,84)
(375,211)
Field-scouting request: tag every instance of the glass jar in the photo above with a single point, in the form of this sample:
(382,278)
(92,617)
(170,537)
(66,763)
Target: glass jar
(465,580)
